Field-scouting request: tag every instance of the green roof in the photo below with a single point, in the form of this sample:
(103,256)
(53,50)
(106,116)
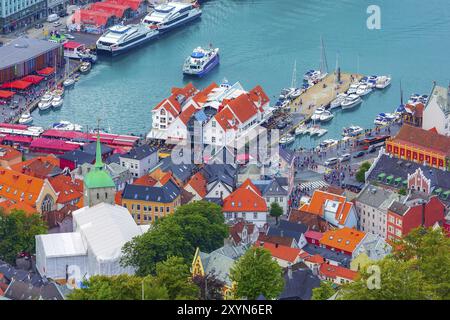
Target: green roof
(398,180)
(98,178)
(381,175)
(438,190)
(405,182)
(389,179)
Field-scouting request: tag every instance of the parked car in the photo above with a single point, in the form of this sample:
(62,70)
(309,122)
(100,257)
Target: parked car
(63,14)
(281,125)
(372,149)
(52,18)
(331,162)
(57,23)
(69,36)
(345,157)
(38,26)
(359,154)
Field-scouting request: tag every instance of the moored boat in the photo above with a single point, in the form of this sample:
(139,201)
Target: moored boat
(57,102)
(351,101)
(26,118)
(201,61)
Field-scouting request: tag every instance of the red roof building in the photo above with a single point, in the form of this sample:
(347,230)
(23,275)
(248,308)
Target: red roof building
(284,255)
(51,146)
(344,240)
(421,146)
(337,274)
(246,202)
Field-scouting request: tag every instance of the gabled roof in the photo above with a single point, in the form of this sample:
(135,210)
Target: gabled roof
(423,139)
(67,189)
(270,188)
(288,229)
(181,171)
(331,271)
(198,183)
(145,180)
(245,199)
(321,199)
(313,221)
(299,284)
(91,148)
(202,96)
(19,187)
(39,167)
(242,107)
(78,156)
(346,239)
(8,153)
(280,251)
(165,194)
(187,113)
(139,153)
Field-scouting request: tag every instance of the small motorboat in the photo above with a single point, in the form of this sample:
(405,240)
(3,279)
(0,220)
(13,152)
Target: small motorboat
(66,125)
(300,130)
(381,121)
(85,67)
(336,103)
(328,143)
(314,130)
(68,82)
(287,139)
(321,132)
(353,88)
(383,82)
(363,90)
(326,116)
(316,116)
(57,102)
(26,118)
(46,101)
(58,92)
(286,93)
(351,101)
(352,131)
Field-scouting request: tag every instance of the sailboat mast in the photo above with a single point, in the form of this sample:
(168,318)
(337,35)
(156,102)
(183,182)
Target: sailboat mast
(401,93)
(294,76)
(323,58)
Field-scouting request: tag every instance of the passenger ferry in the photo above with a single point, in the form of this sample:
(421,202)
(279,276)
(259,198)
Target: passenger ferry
(201,61)
(120,38)
(169,16)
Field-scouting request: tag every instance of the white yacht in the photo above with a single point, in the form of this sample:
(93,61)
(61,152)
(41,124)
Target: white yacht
(336,103)
(316,116)
(67,126)
(57,102)
(363,90)
(353,88)
(25,118)
(351,101)
(46,101)
(300,130)
(326,116)
(120,38)
(352,131)
(201,61)
(321,132)
(383,82)
(69,82)
(171,15)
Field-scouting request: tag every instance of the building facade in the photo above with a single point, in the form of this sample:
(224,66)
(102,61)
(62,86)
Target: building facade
(437,112)
(17,14)
(139,160)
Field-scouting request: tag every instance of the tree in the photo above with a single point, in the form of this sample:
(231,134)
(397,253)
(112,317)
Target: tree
(256,273)
(172,281)
(17,233)
(402,192)
(418,268)
(211,288)
(175,276)
(360,174)
(324,292)
(198,224)
(276,210)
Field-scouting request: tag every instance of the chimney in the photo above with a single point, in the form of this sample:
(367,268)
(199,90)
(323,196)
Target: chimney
(276,245)
(261,244)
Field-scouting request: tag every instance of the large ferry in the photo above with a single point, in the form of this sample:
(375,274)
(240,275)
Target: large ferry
(201,61)
(168,16)
(120,38)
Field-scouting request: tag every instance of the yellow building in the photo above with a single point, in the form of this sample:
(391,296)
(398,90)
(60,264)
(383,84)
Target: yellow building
(146,204)
(218,263)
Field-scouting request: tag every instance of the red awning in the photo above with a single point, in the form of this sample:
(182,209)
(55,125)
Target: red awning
(46,71)
(33,79)
(18,84)
(71,45)
(19,139)
(6,94)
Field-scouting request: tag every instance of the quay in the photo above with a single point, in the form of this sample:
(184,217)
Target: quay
(319,95)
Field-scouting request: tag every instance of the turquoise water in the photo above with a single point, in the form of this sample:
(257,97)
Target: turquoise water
(259,42)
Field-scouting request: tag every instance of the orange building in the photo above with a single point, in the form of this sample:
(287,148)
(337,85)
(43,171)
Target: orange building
(9,156)
(421,146)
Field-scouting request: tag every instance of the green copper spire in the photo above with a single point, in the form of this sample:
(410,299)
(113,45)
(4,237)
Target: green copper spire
(98,154)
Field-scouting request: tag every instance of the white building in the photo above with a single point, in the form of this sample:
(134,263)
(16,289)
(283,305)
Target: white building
(94,248)
(372,204)
(437,112)
(15,14)
(140,160)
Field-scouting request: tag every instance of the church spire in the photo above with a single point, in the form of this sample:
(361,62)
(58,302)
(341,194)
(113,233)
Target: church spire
(98,154)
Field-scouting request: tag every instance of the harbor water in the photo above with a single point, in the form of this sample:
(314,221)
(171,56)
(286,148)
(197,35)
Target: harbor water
(259,41)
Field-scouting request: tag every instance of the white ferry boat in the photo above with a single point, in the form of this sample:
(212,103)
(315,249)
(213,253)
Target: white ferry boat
(169,16)
(120,38)
(201,61)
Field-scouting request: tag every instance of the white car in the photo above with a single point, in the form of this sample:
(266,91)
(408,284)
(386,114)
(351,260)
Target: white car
(57,23)
(345,157)
(331,162)
(69,36)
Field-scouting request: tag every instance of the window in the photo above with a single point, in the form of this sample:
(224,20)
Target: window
(213,124)
(149,208)
(145,208)
(213,139)
(106,195)
(156,209)
(98,196)
(161,209)
(167,209)
(138,207)
(255,215)
(47,204)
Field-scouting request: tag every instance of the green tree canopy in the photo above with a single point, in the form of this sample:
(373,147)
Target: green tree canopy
(360,174)
(256,273)
(418,268)
(324,292)
(17,233)
(198,224)
(172,281)
(276,210)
